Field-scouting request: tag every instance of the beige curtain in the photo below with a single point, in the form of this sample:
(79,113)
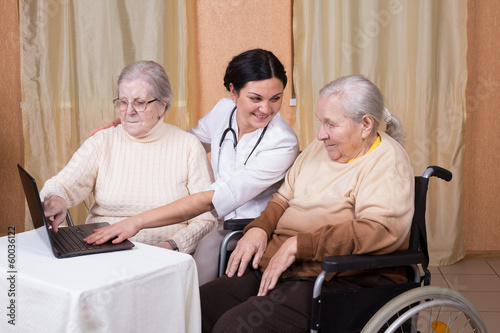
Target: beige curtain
(72,54)
(415,52)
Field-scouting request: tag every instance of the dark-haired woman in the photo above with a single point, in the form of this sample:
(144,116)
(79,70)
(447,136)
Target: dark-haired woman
(251,148)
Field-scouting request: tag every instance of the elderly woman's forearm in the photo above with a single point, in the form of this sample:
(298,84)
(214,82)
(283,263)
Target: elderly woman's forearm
(178,211)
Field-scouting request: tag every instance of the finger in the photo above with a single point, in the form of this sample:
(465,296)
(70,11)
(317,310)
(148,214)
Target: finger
(55,221)
(99,129)
(262,289)
(245,259)
(58,220)
(263,286)
(104,238)
(264,283)
(55,226)
(119,239)
(268,282)
(89,239)
(257,259)
(233,263)
(96,237)
(92,237)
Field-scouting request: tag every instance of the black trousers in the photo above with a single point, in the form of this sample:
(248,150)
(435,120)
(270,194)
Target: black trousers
(230,304)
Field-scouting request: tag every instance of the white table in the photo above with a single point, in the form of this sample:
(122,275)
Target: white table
(145,289)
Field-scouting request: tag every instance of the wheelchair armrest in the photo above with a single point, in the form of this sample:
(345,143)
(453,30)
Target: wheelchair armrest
(236,224)
(366,261)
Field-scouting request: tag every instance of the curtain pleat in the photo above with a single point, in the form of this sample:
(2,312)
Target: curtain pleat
(415,52)
(72,54)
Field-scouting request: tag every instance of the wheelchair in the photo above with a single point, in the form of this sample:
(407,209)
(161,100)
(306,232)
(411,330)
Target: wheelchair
(235,228)
(408,307)
(412,307)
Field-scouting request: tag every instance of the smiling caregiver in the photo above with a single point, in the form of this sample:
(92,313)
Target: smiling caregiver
(251,148)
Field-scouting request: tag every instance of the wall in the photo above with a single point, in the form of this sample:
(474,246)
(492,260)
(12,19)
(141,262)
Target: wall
(225,30)
(11,132)
(482,134)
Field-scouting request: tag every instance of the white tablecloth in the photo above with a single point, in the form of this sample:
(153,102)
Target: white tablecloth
(145,289)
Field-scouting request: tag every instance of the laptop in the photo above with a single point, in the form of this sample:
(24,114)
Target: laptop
(68,241)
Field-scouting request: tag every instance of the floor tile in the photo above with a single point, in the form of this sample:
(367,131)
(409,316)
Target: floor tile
(438,280)
(434,270)
(491,321)
(478,267)
(495,264)
(484,300)
(462,283)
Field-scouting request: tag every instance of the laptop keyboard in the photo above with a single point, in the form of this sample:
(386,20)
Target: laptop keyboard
(71,240)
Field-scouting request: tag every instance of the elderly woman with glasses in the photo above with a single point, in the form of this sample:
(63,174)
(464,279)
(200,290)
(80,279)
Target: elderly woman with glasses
(139,165)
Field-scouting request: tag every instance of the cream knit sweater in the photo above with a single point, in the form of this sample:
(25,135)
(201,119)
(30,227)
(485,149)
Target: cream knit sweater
(129,175)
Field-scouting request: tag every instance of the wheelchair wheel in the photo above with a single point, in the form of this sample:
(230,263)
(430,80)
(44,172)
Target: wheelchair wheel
(427,309)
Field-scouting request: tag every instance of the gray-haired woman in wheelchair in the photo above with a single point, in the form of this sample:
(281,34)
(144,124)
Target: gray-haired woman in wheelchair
(349,192)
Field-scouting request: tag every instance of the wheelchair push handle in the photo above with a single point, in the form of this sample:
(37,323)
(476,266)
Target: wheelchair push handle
(436,171)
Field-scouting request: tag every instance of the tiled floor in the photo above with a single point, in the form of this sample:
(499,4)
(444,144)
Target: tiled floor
(479,281)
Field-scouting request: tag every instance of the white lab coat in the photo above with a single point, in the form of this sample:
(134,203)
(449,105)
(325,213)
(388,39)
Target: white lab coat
(243,191)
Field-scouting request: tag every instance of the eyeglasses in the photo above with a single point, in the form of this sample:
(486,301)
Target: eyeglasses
(137,104)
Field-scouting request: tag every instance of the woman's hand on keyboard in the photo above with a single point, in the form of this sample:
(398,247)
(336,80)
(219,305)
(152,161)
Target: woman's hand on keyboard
(55,209)
(118,232)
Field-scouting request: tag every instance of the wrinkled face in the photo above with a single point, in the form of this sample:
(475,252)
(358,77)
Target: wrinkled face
(343,138)
(138,123)
(258,102)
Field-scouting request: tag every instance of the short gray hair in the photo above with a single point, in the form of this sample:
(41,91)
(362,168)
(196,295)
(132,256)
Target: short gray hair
(360,97)
(152,73)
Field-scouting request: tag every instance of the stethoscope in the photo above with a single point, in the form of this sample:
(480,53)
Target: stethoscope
(229,129)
